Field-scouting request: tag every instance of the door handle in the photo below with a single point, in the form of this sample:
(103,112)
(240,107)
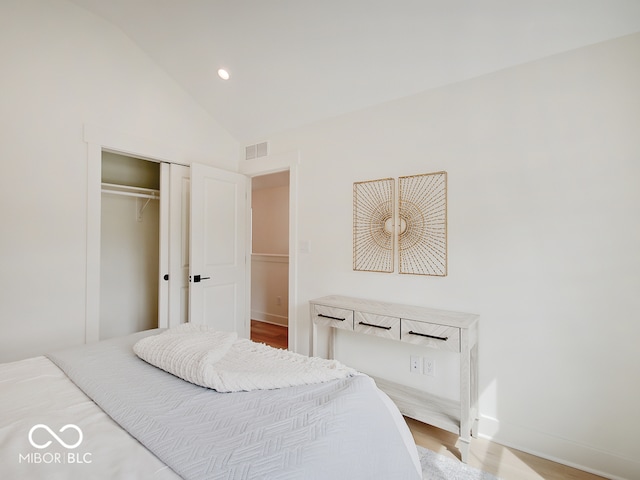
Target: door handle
(198,278)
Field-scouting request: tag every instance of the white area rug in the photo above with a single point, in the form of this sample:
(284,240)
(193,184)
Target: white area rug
(439,467)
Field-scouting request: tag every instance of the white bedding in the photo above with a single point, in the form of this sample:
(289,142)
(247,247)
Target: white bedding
(35,392)
(221,361)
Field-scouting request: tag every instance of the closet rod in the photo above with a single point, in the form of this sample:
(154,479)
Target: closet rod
(129,191)
(128,194)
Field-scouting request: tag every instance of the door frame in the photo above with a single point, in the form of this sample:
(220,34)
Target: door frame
(99,140)
(274,163)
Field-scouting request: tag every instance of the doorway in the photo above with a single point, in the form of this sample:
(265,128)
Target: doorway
(270,258)
(99,140)
(129,247)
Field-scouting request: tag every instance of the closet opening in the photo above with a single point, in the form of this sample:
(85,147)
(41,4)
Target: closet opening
(129,245)
(270,259)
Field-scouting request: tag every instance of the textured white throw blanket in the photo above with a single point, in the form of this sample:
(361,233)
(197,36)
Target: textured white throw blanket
(218,360)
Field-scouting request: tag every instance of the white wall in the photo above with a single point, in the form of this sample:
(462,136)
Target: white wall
(544,235)
(63,68)
(270,219)
(270,288)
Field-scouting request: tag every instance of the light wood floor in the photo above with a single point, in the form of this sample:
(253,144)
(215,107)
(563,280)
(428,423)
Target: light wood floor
(505,463)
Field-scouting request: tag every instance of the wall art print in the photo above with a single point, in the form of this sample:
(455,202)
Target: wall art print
(415,234)
(373,214)
(422,208)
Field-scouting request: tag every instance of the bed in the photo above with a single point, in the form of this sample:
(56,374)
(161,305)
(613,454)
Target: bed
(100,411)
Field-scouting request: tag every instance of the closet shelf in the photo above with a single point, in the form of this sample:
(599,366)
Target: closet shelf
(130,191)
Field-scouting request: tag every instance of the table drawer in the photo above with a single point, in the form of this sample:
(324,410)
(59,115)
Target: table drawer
(379,325)
(333,317)
(430,334)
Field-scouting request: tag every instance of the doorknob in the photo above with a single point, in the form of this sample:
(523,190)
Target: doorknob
(166,276)
(198,278)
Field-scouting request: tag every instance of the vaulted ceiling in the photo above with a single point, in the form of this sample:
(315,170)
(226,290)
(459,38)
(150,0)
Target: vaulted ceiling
(293,62)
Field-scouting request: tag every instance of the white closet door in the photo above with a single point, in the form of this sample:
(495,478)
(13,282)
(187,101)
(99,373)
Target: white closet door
(178,235)
(218,249)
(163,262)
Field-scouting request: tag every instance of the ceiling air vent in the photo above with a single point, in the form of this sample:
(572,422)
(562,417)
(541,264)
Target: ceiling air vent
(256,151)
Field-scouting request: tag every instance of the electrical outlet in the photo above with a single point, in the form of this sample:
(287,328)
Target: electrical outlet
(278,301)
(414,366)
(429,367)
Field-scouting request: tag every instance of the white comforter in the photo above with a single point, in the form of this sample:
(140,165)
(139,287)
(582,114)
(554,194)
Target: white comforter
(36,392)
(38,402)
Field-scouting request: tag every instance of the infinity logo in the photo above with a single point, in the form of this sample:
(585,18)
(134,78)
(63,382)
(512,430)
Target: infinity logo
(58,439)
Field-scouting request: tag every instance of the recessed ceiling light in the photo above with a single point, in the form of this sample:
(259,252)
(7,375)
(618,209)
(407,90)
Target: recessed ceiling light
(223,74)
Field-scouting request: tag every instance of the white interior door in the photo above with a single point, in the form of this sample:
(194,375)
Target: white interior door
(163,263)
(218,249)
(178,234)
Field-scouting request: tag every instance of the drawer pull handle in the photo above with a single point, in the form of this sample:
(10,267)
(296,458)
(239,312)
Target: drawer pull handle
(444,339)
(330,317)
(376,326)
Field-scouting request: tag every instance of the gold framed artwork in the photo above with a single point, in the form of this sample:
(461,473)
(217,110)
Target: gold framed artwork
(373,214)
(415,234)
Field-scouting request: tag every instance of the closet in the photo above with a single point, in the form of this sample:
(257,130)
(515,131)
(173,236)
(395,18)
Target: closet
(166,241)
(129,245)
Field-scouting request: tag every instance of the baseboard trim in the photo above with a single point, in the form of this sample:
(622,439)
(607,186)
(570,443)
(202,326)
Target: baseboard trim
(270,318)
(559,450)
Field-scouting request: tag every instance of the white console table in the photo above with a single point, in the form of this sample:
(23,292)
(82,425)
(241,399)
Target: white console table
(441,329)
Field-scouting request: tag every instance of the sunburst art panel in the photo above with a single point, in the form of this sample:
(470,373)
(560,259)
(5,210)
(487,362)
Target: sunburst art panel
(373,239)
(422,241)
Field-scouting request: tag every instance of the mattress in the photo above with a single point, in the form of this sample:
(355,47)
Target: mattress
(52,428)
